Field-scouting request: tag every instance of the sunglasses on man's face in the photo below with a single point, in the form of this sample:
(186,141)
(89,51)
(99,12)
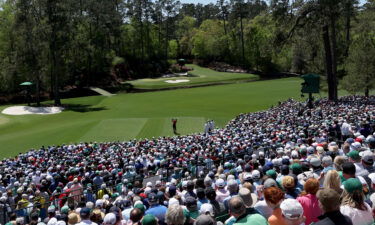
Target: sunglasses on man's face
(292,216)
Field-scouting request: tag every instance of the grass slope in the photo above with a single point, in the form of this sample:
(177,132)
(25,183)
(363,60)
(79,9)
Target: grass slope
(141,115)
(199,76)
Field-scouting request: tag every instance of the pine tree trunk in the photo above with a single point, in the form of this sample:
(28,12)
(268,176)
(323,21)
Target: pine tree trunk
(242,41)
(37,91)
(347,27)
(334,57)
(328,60)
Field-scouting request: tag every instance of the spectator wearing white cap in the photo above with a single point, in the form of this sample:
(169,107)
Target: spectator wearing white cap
(316,167)
(109,219)
(371,176)
(292,212)
(367,160)
(208,210)
(255,174)
(346,130)
(221,192)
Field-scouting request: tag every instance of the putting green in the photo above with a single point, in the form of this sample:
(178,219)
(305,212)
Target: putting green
(198,76)
(141,115)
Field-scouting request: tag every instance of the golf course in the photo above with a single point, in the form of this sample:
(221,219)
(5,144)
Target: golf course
(126,116)
(140,115)
(197,76)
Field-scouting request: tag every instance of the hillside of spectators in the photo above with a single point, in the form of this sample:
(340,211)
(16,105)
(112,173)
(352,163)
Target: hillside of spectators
(286,165)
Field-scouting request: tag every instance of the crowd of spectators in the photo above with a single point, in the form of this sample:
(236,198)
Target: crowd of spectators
(288,165)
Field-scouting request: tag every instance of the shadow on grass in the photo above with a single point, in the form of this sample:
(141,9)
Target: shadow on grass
(83,108)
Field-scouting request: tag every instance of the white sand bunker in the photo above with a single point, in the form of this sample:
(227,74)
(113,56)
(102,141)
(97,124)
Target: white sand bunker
(26,110)
(176,81)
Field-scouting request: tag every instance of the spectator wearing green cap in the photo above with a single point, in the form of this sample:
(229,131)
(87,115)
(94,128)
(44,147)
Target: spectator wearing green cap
(355,158)
(272,174)
(296,169)
(149,220)
(353,203)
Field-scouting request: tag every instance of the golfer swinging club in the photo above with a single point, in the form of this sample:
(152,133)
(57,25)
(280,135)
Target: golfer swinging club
(174,125)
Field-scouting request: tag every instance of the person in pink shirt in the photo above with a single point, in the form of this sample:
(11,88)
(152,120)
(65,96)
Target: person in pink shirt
(309,201)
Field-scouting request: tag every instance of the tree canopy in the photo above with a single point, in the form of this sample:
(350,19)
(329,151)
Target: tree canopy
(60,43)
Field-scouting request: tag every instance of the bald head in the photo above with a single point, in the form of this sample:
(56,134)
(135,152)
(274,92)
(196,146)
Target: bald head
(237,206)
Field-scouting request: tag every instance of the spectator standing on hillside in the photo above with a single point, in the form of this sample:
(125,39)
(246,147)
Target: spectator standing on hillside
(329,201)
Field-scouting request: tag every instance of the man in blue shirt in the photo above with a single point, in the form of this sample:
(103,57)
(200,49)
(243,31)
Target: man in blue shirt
(156,209)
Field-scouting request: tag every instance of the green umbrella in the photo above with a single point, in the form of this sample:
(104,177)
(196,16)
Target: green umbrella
(26,84)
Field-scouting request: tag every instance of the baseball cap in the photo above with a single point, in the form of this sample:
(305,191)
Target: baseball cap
(204,220)
(206,208)
(247,177)
(220,183)
(99,203)
(371,140)
(190,202)
(353,184)
(284,170)
(65,209)
(152,197)
(315,162)
(271,173)
(310,150)
(51,209)
(269,183)
(291,209)
(85,211)
(149,219)
(296,168)
(140,206)
(368,157)
(354,155)
(372,177)
(355,146)
(109,219)
(350,140)
(320,149)
(285,161)
(255,174)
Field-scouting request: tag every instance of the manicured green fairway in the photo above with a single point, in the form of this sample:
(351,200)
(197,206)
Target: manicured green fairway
(199,76)
(127,116)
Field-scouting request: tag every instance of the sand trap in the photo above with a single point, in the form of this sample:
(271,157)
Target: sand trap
(26,110)
(176,81)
